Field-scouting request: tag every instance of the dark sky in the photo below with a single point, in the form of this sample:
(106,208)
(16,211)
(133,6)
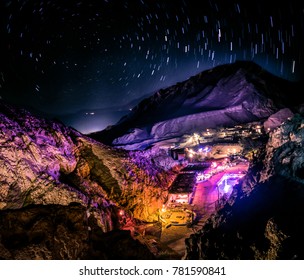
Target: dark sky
(61,57)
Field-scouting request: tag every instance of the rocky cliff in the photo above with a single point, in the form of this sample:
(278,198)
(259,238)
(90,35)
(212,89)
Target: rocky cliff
(225,95)
(263,219)
(59,188)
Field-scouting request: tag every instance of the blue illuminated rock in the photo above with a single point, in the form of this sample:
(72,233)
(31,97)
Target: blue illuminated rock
(263,217)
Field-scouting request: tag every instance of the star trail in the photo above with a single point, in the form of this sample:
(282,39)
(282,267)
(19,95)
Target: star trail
(61,57)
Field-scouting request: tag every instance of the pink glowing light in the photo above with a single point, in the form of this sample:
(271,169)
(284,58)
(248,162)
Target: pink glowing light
(227,188)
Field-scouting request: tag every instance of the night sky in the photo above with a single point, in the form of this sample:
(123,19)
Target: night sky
(92,58)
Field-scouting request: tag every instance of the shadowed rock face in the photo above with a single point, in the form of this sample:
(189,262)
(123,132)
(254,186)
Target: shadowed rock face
(226,95)
(46,169)
(58,232)
(277,119)
(263,218)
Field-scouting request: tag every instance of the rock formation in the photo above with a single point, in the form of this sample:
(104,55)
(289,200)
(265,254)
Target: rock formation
(59,188)
(277,119)
(64,195)
(263,219)
(58,232)
(223,96)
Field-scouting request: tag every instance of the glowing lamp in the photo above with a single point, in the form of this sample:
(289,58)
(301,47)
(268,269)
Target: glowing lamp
(227,188)
(206,149)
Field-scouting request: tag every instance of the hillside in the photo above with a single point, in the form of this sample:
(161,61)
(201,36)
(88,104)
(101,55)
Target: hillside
(226,95)
(61,189)
(263,219)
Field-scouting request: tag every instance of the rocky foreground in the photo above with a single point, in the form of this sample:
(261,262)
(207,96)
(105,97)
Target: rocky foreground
(65,196)
(264,217)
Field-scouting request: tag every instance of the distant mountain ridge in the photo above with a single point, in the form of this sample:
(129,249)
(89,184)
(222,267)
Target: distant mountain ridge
(225,95)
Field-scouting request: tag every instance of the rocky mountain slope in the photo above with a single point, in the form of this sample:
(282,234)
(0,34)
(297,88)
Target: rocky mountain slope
(263,219)
(61,192)
(225,95)
(64,195)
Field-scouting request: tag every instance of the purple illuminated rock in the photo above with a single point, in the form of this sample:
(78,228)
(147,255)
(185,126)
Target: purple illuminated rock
(225,95)
(277,119)
(46,169)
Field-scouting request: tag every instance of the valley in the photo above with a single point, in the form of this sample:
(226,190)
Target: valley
(202,187)
(210,168)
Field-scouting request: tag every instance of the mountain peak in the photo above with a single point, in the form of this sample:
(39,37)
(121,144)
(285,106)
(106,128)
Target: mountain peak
(236,93)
